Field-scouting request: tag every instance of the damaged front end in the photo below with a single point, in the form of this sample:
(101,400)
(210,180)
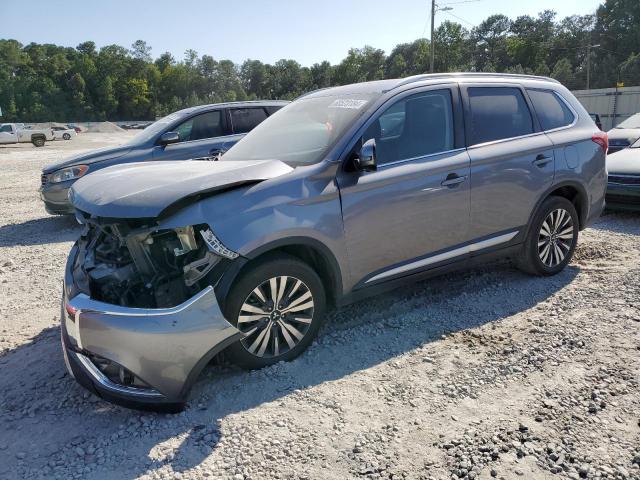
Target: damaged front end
(148,268)
(140,313)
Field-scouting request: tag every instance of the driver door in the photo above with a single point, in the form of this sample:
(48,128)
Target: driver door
(412,212)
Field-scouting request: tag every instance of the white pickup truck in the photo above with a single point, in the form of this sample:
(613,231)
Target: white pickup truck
(14,133)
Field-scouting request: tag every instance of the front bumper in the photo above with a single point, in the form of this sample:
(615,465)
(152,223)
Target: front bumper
(56,198)
(166,348)
(623,197)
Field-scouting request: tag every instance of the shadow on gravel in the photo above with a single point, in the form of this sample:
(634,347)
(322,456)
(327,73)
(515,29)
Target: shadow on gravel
(355,338)
(54,229)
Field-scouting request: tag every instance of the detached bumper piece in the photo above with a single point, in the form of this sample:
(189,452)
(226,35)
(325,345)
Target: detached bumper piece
(143,358)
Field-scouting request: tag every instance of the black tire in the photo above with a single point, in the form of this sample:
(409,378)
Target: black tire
(279,335)
(66,136)
(38,141)
(535,258)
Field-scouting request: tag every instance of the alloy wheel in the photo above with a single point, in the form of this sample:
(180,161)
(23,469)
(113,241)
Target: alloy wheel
(555,238)
(275,316)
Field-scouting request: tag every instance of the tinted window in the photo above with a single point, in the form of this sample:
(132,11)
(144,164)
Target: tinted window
(6,128)
(205,125)
(550,109)
(273,109)
(246,119)
(418,125)
(497,113)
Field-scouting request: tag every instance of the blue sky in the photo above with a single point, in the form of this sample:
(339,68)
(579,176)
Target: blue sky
(265,30)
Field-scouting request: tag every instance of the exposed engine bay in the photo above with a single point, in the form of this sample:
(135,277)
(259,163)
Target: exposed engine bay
(147,268)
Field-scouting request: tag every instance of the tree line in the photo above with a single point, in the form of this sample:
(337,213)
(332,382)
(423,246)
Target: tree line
(45,82)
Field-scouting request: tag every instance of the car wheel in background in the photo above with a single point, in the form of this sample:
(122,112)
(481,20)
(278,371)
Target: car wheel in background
(279,304)
(552,238)
(66,136)
(38,141)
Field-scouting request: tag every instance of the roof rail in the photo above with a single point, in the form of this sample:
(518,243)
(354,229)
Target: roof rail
(436,76)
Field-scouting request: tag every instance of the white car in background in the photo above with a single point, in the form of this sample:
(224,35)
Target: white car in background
(63,133)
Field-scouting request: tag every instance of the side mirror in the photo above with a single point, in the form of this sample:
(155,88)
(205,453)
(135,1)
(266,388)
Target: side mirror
(167,138)
(366,159)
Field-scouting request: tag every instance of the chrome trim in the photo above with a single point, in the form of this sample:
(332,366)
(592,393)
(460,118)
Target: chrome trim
(397,162)
(108,384)
(83,302)
(474,247)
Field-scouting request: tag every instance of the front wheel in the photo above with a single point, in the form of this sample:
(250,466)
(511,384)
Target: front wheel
(552,238)
(279,305)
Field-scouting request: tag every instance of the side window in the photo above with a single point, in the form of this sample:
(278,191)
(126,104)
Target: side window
(6,128)
(205,125)
(273,109)
(246,119)
(552,112)
(497,113)
(418,125)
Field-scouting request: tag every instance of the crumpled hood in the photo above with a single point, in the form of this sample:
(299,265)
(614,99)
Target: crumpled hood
(88,158)
(625,161)
(144,190)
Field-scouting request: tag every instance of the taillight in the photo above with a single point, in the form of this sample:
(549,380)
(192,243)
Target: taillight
(602,139)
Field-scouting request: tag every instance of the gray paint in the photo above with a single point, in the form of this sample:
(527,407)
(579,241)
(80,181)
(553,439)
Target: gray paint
(364,223)
(144,190)
(161,346)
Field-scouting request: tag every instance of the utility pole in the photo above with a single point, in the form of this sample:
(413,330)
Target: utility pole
(589,47)
(434,9)
(433,21)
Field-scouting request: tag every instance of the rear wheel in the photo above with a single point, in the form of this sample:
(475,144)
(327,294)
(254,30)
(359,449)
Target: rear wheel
(279,305)
(552,238)
(66,136)
(38,141)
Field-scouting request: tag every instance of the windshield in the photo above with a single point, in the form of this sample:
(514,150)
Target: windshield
(154,129)
(302,132)
(631,122)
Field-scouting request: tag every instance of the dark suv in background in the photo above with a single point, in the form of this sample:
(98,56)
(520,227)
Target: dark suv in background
(201,132)
(344,193)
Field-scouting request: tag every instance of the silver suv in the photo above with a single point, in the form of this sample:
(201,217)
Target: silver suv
(343,193)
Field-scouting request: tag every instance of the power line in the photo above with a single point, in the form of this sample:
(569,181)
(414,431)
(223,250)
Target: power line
(460,18)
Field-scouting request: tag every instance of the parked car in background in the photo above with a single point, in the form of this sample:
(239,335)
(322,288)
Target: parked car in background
(13,133)
(596,119)
(624,134)
(623,188)
(75,127)
(63,133)
(346,192)
(194,133)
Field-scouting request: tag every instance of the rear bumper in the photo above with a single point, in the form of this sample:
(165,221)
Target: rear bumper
(166,348)
(623,197)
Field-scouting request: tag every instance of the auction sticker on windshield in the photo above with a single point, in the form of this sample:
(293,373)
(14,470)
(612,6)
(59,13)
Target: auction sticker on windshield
(348,103)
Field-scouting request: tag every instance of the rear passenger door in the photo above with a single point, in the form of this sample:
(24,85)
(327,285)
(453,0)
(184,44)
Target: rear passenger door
(512,160)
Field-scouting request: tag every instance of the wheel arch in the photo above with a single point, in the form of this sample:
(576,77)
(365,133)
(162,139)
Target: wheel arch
(573,191)
(309,250)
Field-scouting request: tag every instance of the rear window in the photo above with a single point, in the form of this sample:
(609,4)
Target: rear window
(552,112)
(498,113)
(246,119)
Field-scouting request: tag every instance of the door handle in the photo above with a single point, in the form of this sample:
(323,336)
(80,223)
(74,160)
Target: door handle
(541,160)
(453,179)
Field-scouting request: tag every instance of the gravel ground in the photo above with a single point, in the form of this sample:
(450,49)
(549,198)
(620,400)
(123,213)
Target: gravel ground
(480,374)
